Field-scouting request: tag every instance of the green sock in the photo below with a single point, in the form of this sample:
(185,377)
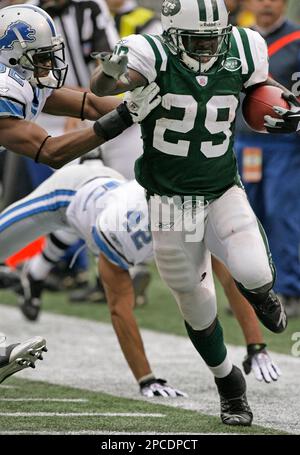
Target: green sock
(211,348)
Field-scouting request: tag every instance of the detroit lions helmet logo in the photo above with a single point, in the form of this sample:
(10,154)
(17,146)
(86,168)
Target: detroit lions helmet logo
(18,31)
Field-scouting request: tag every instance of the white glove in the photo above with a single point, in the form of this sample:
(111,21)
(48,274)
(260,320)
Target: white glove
(159,388)
(138,104)
(142,100)
(260,363)
(289,121)
(115,64)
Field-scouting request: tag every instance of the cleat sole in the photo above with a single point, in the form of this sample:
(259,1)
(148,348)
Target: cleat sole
(24,355)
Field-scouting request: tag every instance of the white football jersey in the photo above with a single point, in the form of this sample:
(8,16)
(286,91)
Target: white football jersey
(18,98)
(112,217)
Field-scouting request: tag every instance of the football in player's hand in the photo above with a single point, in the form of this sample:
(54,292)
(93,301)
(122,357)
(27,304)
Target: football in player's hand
(258,103)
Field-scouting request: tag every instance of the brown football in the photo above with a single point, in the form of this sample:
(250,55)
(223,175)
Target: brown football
(258,103)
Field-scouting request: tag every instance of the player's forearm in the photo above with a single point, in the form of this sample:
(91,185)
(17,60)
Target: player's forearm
(74,103)
(120,298)
(60,150)
(127,331)
(29,139)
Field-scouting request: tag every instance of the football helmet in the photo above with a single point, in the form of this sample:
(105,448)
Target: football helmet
(29,44)
(197,31)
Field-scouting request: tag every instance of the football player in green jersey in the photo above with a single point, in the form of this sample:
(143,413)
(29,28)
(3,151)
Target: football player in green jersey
(201,65)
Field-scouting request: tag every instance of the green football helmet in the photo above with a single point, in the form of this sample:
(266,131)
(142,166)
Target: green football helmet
(198,32)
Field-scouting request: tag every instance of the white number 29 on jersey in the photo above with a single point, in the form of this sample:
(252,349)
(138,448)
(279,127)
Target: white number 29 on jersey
(212,124)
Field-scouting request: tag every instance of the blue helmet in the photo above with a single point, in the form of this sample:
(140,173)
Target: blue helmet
(29,43)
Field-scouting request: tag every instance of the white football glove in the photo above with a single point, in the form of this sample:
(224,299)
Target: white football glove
(142,100)
(159,388)
(289,121)
(260,363)
(114,64)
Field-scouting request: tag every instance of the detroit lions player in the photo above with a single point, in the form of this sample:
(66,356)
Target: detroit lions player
(32,67)
(201,65)
(96,204)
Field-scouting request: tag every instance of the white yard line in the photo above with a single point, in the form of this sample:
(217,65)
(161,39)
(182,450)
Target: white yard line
(86,355)
(80,414)
(8,387)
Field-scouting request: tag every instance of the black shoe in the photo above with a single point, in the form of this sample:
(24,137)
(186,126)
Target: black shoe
(91,294)
(30,292)
(235,409)
(271,313)
(8,277)
(140,283)
(62,278)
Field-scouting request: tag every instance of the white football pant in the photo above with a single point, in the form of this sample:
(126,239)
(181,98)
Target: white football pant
(231,233)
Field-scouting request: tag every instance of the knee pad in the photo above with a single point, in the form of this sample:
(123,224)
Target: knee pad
(195,297)
(176,270)
(198,308)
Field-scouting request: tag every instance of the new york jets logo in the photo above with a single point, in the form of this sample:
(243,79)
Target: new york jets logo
(171,7)
(18,31)
(232,64)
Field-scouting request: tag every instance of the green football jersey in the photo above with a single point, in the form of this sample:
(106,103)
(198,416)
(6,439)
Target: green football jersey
(188,139)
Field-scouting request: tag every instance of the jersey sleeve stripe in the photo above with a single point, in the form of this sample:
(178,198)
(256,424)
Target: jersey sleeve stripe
(108,250)
(248,54)
(158,52)
(162,52)
(240,47)
(259,56)
(11,108)
(137,60)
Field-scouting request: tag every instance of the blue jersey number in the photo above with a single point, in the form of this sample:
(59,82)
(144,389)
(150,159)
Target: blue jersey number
(140,238)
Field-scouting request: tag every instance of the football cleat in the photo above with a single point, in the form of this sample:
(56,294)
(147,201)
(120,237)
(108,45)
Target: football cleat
(235,409)
(17,357)
(91,293)
(30,291)
(8,277)
(271,313)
